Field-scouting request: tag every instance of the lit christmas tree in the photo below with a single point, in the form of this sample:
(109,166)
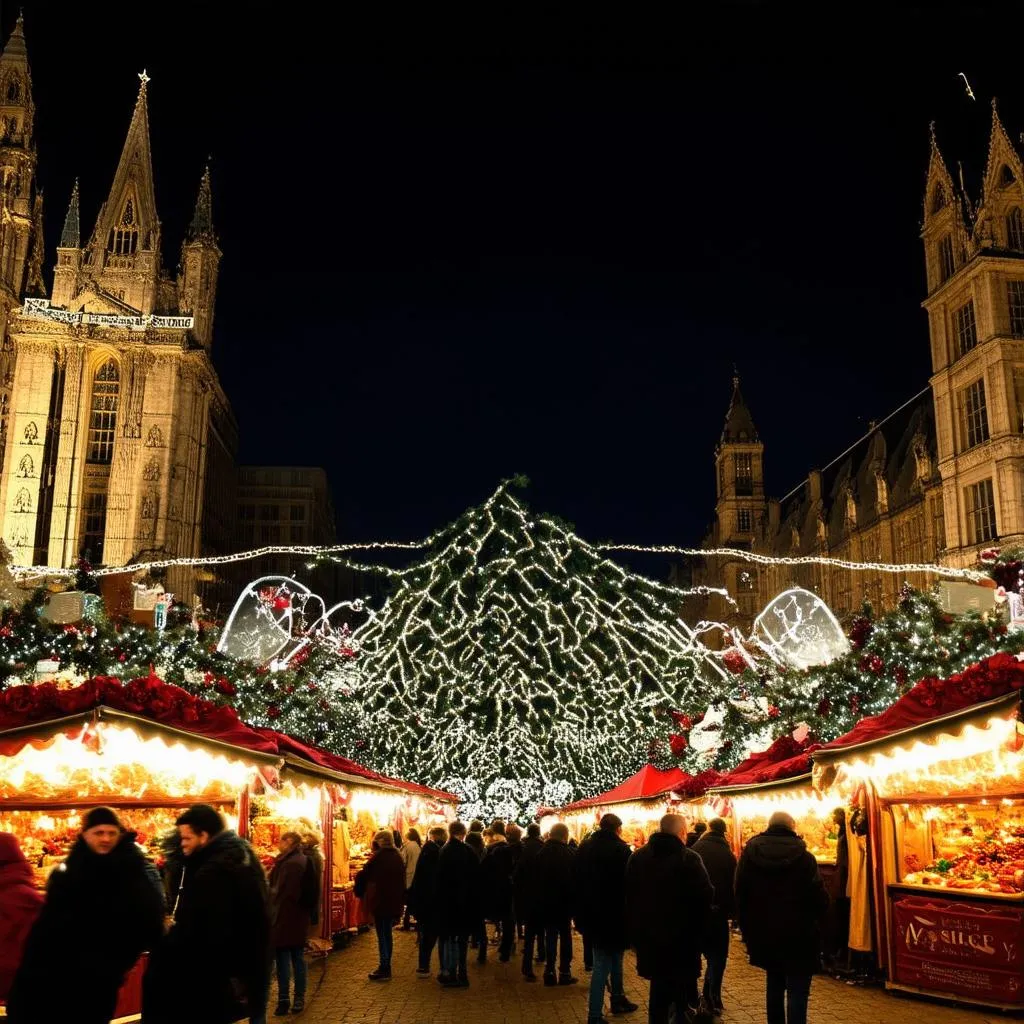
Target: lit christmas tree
(517,665)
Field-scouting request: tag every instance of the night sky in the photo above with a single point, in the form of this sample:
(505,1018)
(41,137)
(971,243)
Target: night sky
(455,250)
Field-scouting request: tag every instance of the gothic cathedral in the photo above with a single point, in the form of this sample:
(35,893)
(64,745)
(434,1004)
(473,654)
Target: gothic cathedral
(116,439)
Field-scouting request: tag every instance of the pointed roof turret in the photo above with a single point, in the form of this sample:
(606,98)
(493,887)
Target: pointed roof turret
(201,228)
(131,204)
(1002,157)
(70,236)
(16,50)
(739,424)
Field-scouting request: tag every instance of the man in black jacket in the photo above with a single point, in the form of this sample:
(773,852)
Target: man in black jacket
(719,860)
(527,899)
(214,964)
(104,906)
(668,902)
(781,902)
(496,882)
(555,903)
(601,912)
(458,901)
(423,896)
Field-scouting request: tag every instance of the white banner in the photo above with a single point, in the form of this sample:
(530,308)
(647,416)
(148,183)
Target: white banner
(40,309)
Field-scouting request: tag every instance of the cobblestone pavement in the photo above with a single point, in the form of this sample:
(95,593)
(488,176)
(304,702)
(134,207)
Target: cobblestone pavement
(340,993)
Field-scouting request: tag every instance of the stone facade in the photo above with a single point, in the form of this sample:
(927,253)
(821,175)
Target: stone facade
(941,478)
(113,423)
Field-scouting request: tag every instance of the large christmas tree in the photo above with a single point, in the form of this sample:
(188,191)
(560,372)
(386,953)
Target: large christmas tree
(517,665)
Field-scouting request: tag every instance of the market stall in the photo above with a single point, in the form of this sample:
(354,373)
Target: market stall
(778,779)
(640,801)
(941,775)
(149,750)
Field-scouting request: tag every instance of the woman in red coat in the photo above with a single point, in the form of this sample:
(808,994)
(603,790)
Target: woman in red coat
(382,885)
(289,921)
(20,903)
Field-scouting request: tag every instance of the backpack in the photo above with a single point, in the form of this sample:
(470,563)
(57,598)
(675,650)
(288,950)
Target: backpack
(309,894)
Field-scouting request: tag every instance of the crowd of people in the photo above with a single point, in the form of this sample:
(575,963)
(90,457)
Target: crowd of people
(672,901)
(214,924)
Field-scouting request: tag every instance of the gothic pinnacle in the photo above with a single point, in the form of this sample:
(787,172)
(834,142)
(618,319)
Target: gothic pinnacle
(69,237)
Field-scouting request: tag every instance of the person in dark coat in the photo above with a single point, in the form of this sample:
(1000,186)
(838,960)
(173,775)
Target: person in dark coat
(694,835)
(496,871)
(668,902)
(601,911)
(780,903)
(213,965)
(526,899)
(423,896)
(104,905)
(556,897)
(720,862)
(382,881)
(289,922)
(478,933)
(837,945)
(458,900)
(20,904)
(311,848)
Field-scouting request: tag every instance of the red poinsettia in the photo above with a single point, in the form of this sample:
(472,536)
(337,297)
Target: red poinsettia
(677,744)
(734,661)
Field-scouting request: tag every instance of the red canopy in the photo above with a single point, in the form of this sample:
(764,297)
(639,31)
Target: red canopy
(935,698)
(648,783)
(786,758)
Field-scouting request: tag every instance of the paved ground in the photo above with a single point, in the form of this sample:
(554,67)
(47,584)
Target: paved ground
(498,995)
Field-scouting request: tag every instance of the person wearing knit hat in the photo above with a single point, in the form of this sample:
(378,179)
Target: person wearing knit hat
(104,904)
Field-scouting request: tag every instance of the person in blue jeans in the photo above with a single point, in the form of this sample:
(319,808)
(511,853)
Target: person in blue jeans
(781,904)
(382,883)
(289,922)
(457,887)
(600,884)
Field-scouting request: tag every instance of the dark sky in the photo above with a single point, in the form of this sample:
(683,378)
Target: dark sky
(458,250)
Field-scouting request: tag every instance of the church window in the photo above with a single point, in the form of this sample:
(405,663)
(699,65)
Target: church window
(1006,177)
(721,475)
(973,415)
(946,263)
(1015,230)
(13,91)
(298,513)
(964,329)
(106,386)
(1015,301)
(1018,399)
(938,199)
(744,520)
(745,473)
(95,525)
(128,219)
(980,506)
(938,525)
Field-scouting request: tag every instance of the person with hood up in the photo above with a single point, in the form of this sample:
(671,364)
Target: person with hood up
(105,905)
(526,898)
(781,903)
(668,903)
(20,903)
(382,881)
(601,912)
(555,871)
(423,896)
(289,922)
(694,835)
(719,860)
(214,962)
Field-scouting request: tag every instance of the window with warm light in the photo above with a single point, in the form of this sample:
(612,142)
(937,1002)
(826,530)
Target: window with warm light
(980,507)
(106,386)
(964,330)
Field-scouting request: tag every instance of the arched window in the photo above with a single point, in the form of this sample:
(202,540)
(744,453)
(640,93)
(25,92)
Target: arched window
(1006,177)
(938,199)
(13,91)
(1015,230)
(124,239)
(106,386)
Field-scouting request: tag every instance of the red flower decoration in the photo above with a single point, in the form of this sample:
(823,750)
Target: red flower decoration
(226,686)
(734,661)
(824,707)
(677,744)
(773,712)
(273,711)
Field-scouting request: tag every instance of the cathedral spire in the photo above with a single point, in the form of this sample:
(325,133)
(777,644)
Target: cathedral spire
(17,110)
(201,228)
(128,221)
(69,237)
(739,424)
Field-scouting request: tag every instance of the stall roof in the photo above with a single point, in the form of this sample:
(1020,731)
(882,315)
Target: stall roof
(787,760)
(646,784)
(25,711)
(991,683)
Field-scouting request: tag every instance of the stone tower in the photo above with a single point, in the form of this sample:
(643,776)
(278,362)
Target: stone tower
(117,419)
(740,507)
(974,255)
